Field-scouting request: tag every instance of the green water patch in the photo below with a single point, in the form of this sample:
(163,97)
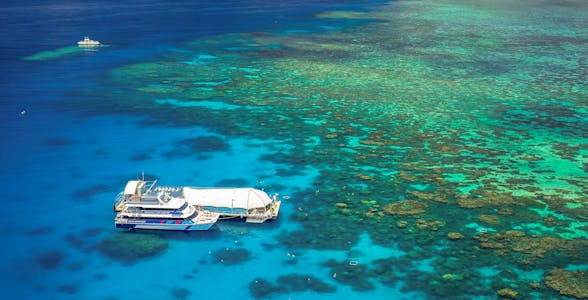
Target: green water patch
(201,60)
(210,104)
(57,53)
(343,15)
(569,228)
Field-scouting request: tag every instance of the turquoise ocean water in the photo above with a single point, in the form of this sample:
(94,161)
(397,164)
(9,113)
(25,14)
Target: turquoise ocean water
(422,149)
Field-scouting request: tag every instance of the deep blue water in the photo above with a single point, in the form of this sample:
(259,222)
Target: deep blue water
(61,168)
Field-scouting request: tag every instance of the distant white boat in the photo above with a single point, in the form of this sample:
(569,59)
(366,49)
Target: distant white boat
(87,42)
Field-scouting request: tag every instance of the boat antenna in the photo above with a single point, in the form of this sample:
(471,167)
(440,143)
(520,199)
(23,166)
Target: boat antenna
(143,175)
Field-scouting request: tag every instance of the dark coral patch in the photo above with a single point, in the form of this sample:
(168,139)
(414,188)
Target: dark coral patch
(129,248)
(91,232)
(351,273)
(261,288)
(302,282)
(69,289)
(197,147)
(287,284)
(229,256)
(88,193)
(142,156)
(76,242)
(180,293)
(568,283)
(50,259)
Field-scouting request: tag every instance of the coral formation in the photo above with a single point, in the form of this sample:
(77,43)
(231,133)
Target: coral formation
(455,236)
(401,224)
(228,256)
(569,283)
(354,275)
(489,219)
(533,247)
(432,225)
(302,282)
(406,207)
(261,288)
(131,247)
(341,205)
(291,283)
(69,289)
(50,259)
(507,293)
(180,293)
(198,146)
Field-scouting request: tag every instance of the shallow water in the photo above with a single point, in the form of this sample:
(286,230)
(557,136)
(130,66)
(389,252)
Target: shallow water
(424,149)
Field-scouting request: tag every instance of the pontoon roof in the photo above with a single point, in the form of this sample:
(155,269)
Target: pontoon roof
(245,198)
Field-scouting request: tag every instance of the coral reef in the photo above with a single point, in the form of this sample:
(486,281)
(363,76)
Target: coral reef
(288,284)
(507,293)
(87,194)
(50,259)
(302,282)
(131,247)
(402,224)
(228,256)
(180,293)
(528,250)
(352,274)
(455,236)
(432,225)
(69,289)
(197,147)
(568,283)
(489,219)
(316,235)
(406,207)
(261,288)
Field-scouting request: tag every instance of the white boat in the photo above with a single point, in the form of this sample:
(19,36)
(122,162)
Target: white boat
(87,42)
(140,207)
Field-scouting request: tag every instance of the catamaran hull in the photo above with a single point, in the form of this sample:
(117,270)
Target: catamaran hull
(180,227)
